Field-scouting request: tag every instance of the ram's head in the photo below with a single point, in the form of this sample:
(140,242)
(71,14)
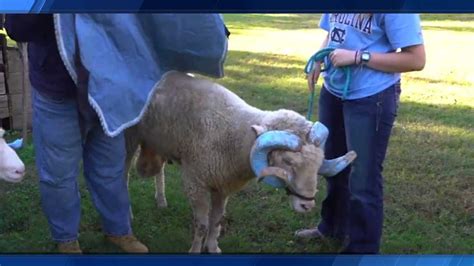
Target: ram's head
(284,160)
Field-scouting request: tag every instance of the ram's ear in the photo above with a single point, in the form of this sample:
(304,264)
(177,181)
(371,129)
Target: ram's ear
(259,130)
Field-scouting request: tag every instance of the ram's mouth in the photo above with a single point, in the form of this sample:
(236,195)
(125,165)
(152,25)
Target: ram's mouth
(13,178)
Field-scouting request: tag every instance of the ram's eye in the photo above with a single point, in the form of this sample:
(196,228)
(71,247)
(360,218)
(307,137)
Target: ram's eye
(288,161)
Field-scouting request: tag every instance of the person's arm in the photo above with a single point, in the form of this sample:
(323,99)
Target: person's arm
(411,58)
(27,27)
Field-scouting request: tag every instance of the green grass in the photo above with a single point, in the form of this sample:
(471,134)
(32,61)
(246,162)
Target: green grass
(429,171)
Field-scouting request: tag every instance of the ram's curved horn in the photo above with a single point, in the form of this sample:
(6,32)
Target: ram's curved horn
(263,145)
(318,134)
(333,167)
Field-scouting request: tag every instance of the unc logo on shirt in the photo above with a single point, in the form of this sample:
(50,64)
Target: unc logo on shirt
(361,22)
(337,35)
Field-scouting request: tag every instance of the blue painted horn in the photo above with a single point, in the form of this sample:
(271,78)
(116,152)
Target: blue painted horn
(318,135)
(264,144)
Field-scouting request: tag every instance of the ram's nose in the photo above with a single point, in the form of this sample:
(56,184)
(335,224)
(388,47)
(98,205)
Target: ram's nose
(303,206)
(307,206)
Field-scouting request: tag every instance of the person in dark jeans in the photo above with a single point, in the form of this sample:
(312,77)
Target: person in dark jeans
(363,120)
(66,131)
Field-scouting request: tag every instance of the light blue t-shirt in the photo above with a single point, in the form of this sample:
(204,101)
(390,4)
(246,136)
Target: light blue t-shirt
(378,33)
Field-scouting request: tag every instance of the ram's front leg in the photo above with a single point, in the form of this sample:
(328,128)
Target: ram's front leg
(218,203)
(199,199)
(160,195)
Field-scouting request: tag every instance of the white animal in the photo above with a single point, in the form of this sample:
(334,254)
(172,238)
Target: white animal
(222,143)
(12,168)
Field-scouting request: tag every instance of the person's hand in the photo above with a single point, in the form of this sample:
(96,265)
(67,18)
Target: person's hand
(313,76)
(342,57)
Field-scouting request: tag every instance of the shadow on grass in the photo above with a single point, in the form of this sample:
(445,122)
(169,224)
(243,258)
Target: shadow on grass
(459,116)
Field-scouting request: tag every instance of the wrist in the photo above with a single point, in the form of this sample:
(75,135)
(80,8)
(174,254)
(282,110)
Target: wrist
(365,57)
(357,57)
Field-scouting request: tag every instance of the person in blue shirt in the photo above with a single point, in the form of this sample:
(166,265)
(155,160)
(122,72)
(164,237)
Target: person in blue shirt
(65,131)
(376,48)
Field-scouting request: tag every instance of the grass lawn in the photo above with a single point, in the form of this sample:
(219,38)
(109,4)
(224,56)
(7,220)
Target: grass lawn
(429,171)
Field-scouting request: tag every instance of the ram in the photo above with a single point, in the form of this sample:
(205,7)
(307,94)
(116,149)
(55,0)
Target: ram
(222,143)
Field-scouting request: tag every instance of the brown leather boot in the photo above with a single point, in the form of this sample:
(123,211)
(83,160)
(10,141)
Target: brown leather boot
(69,247)
(128,243)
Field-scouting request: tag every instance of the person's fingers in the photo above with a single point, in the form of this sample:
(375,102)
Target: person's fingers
(332,55)
(309,78)
(315,76)
(314,79)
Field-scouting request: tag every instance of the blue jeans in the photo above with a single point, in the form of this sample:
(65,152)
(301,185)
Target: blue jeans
(59,149)
(353,207)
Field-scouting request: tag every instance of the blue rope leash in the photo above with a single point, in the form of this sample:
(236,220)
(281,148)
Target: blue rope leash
(318,57)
